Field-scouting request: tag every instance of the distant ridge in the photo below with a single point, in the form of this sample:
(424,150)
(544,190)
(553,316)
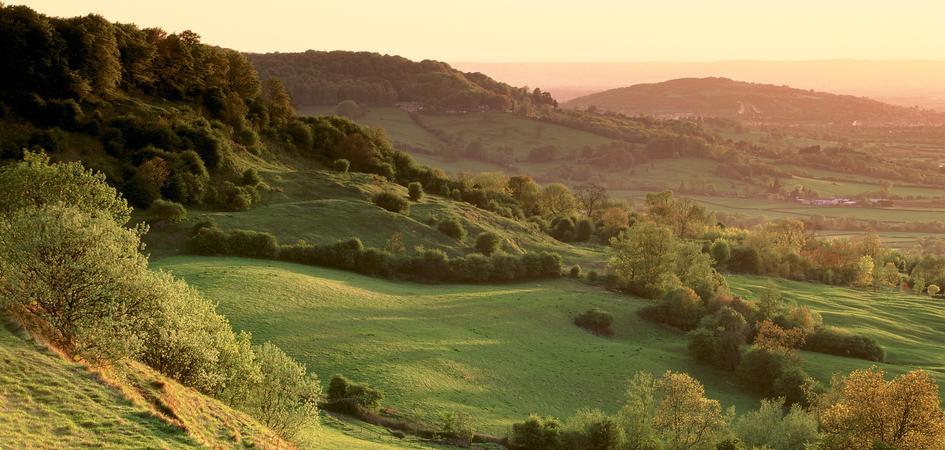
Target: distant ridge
(751,102)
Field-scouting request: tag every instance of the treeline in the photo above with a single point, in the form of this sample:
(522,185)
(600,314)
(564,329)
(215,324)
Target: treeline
(430,265)
(74,276)
(328,78)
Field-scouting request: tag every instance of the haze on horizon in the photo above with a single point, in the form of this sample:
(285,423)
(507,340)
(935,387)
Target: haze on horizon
(550,31)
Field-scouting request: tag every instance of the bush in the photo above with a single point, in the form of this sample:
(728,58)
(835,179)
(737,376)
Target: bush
(487,243)
(592,430)
(349,397)
(452,228)
(834,341)
(535,433)
(211,240)
(167,211)
(681,308)
(760,368)
(286,397)
(575,271)
(391,202)
(718,339)
(250,177)
(458,425)
(341,165)
(415,191)
(585,229)
(596,321)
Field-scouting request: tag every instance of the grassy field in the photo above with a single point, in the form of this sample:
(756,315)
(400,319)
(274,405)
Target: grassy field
(502,352)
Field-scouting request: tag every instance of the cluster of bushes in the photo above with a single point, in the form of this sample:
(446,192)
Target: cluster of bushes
(392,202)
(428,265)
(596,321)
(97,300)
(834,341)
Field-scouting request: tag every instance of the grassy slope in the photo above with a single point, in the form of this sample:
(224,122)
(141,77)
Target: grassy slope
(323,207)
(502,352)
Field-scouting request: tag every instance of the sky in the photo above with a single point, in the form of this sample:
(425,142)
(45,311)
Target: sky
(549,30)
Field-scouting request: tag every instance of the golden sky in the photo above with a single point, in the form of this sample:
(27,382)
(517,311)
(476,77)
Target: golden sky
(550,30)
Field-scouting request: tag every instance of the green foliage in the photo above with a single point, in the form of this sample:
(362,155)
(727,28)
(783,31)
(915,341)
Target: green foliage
(719,337)
(341,165)
(80,275)
(535,433)
(286,397)
(211,240)
(415,191)
(721,251)
(592,430)
(596,321)
(458,425)
(391,201)
(770,426)
(167,211)
(36,182)
(350,109)
(488,243)
(760,368)
(835,341)
(347,396)
(452,227)
(681,308)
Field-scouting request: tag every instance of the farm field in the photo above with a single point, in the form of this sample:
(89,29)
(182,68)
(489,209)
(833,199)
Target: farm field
(502,352)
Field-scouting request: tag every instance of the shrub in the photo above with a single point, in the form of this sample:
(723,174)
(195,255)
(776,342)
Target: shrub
(793,385)
(286,397)
(933,290)
(341,165)
(718,339)
(347,396)
(769,427)
(452,228)
(760,368)
(87,294)
(585,229)
(415,191)
(596,321)
(167,211)
(681,308)
(252,244)
(575,271)
(391,202)
(487,243)
(721,252)
(592,430)
(535,433)
(250,177)
(834,341)
(474,267)
(458,425)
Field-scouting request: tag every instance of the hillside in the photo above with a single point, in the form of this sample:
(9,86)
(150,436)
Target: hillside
(750,102)
(327,78)
(502,352)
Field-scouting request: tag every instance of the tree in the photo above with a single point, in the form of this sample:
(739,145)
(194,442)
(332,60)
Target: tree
(636,416)
(719,338)
(614,221)
(350,109)
(36,181)
(535,433)
(415,191)
(721,251)
(525,191)
(864,410)
(684,418)
(769,427)
(591,197)
(643,257)
(556,199)
(681,215)
(78,274)
(863,271)
(286,397)
(770,301)
(278,102)
(487,243)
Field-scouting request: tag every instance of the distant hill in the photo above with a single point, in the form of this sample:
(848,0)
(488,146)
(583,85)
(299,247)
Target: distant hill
(751,102)
(327,78)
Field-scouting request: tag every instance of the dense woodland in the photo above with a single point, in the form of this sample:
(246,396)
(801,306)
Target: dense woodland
(328,78)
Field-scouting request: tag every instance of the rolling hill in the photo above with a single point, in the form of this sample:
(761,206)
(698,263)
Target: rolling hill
(752,103)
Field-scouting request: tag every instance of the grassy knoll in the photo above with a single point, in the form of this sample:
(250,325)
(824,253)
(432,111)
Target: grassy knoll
(48,402)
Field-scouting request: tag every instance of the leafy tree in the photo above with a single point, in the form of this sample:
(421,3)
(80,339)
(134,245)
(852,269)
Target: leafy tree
(683,417)
(556,199)
(863,409)
(719,337)
(487,243)
(721,251)
(584,231)
(685,218)
(643,257)
(36,181)
(592,430)
(525,191)
(278,102)
(78,274)
(535,433)
(415,191)
(286,397)
(770,427)
(636,416)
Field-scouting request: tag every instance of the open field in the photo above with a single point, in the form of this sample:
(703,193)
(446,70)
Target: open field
(502,352)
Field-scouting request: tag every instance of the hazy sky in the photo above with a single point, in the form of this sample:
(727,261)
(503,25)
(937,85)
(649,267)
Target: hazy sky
(550,30)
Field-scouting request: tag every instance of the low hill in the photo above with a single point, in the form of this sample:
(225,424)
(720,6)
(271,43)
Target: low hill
(750,102)
(327,78)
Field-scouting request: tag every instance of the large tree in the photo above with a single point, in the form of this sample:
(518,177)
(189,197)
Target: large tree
(592,197)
